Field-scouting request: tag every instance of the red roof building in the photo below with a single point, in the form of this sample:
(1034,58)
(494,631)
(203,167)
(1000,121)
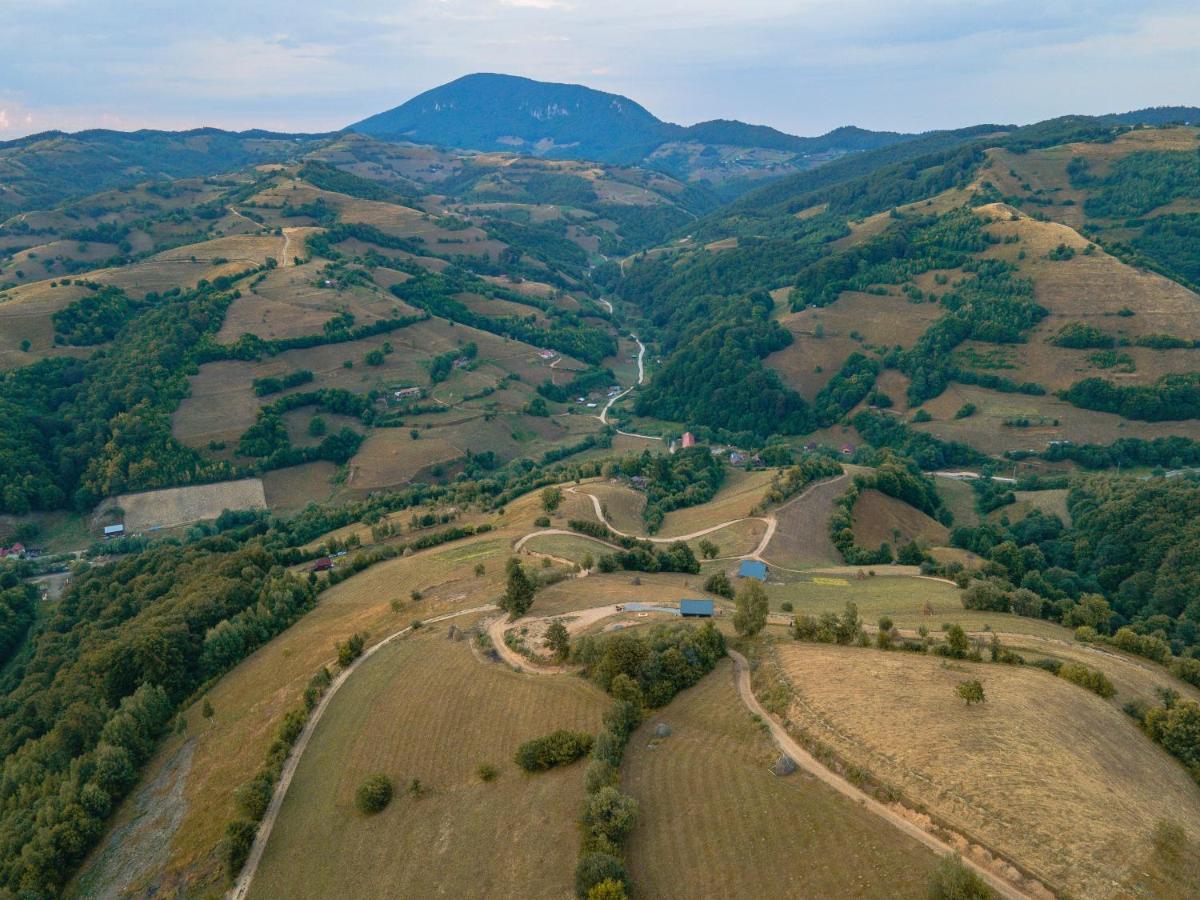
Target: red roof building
(689,439)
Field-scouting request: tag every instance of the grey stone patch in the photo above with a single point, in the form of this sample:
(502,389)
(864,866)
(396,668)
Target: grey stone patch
(662,730)
(136,851)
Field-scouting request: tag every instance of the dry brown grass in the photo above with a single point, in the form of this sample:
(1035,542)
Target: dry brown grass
(881,320)
(184,505)
(26,315)
(1052,503)
(294,488)
(1045,772)
(389,457)
(985,430)
(714,822)
(429,709)
(879,518)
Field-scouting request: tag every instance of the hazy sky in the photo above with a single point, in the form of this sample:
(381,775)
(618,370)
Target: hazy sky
(804,66)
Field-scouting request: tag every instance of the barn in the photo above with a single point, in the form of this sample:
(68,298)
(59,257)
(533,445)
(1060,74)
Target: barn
(696,609)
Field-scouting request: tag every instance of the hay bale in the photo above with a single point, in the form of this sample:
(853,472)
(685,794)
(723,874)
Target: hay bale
(662,730)
(785,765)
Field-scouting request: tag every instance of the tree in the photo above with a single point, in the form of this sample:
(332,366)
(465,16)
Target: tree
(970,691)
(374,794)
(551,498)
(558,639)
(587,562)
(206,709)
(849,624)
(518,592)
(752,609)
(957,644)
(952,880)
(610,814)
(883,637)
(718,583)
(708,549)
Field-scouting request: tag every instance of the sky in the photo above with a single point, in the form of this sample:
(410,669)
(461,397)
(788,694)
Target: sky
(803,66)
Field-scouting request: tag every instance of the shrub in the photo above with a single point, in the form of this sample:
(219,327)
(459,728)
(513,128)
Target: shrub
(970,691)
(952,880)
(596,868)
(608,889)
(374,794)
(555,749)
(718,583)
(235,848)
(487,772)
(1095,681)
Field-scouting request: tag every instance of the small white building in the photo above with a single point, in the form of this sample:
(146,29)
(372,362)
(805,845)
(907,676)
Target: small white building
(113,531)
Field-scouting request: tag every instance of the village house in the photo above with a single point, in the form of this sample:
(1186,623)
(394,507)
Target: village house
(689,440)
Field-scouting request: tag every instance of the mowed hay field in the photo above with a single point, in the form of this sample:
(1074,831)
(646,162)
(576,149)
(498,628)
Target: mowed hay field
(714,822)
(428,708)
(1045,772)
(879,518)
(184,505)
(801,536)
(26,314)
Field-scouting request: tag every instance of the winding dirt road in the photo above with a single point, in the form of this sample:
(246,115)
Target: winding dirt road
(808,762)
(786,743)
(762,544)
(242,886)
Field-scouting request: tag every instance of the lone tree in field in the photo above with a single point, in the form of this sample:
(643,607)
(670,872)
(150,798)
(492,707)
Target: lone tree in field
(708,549)
(952,880)
(970,691)
(752,609)
(551,498)
(373,794)
(518,593)
(558,640)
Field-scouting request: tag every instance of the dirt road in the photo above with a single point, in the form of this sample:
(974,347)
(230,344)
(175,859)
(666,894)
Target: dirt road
(809,763)
(766,539)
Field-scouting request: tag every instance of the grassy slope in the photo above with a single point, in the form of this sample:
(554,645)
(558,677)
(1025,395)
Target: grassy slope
(713,816)
(391,720)
(1046,772)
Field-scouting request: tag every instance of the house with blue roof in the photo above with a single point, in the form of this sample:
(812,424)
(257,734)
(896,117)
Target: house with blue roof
(752,568)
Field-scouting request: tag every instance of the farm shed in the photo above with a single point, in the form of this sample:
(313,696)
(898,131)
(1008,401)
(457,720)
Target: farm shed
(112,531)
(752,568)
(696,608)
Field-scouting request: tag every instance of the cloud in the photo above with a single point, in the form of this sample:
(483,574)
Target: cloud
(802,65)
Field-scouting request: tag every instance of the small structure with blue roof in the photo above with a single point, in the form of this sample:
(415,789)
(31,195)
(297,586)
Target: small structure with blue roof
(752,568)
(702,609)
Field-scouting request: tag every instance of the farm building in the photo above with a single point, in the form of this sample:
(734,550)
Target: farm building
(752,568)
(702,609)
(689,439)
(113,531)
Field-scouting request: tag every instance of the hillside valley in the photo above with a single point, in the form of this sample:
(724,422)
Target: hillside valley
(515,494)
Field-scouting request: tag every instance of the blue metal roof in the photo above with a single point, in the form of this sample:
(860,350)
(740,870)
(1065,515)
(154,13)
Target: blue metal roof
(695,607)
(752,568)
